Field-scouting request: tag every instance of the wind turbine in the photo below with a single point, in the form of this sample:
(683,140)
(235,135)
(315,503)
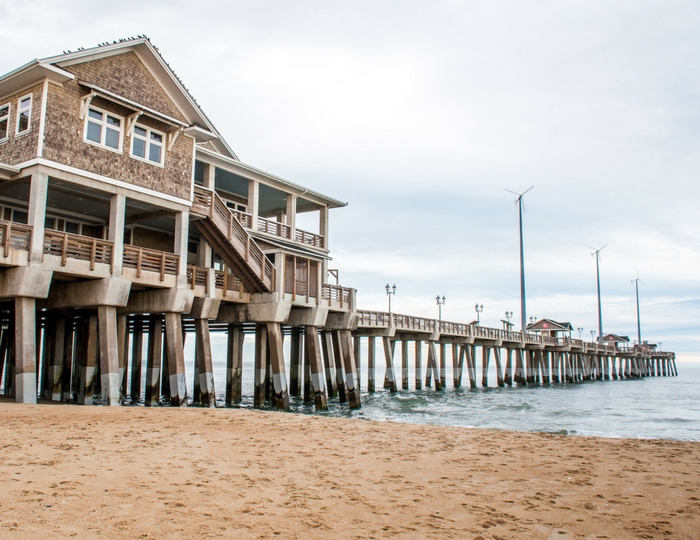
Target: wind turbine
(639,326)
(523,314)
(596,254)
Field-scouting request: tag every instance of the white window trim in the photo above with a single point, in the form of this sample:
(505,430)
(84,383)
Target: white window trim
(104,130)
(148,144)
(9,112)
(19,114)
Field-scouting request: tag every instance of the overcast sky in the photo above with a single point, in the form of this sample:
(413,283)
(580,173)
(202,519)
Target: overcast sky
(420,114)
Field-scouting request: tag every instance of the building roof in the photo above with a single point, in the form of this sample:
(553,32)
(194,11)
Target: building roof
(549,325)
(614,338)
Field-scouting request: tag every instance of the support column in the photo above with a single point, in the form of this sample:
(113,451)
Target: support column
(136,360)
(456,366)
(329,363)
(253,200)
(154,360)
(182,224)
(176,359)
(117,211)
(68,367)
(123,341)
(433,365)
(519,368)
(499,368)
(485,355)
(290,215)
(280,392)
(509,367)
(25,349)
(419,363)
(339,367)
(294,362)
(316,365)
(206,365)
(546,365)
(358,362)
(88,353)
(57,359)
(351,388)
(471,364)
(371,349)
(234,364)
(443,366)
(404,365)
(389,377)
(260,366)
(36,219)
(109,355)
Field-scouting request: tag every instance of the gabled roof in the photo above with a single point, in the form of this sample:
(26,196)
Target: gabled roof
(550,325)
(53,68)
(614,338)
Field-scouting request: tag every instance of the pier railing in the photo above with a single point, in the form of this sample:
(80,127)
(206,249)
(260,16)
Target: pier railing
(151,260)
(14,236)
(74,246)
(336,293)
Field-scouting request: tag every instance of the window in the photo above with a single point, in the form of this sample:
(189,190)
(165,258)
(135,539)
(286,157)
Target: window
(4,121)
(103,129)
(24,114)
(147,144)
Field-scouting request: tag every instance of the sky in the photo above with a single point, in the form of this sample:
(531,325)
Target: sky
(421,114)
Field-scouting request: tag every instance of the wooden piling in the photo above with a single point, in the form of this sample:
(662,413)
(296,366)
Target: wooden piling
(154,360)
(318,379)
(234,364)
(295,362)
(176,360)
(206,364)
(371,346)
(418,364)
(329,364)
(351,389)
(280,393)
(339,367)
(260,366)
(389,376)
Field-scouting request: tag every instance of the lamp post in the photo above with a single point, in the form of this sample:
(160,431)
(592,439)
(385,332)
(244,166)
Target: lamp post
(389,292)
(479,309)
(519,202)
(533,319)
(596,254)
(440,303)
(506,324)
(592,336)
(580,332)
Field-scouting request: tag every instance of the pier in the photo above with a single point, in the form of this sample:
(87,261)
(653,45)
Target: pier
(127,222)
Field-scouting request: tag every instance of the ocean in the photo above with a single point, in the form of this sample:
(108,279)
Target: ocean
(653,407)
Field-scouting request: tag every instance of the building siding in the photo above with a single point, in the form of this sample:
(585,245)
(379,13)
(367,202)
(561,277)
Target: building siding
(64,129)
(19,148)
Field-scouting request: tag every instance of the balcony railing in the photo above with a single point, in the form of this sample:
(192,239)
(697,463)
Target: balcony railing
(197,275)
(151,260)
(336,293)
(73,246)
(14,236)
(226,281)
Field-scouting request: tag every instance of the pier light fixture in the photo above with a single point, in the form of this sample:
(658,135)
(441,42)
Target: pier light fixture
(596,254)
(636,287)
(440,302)
(509,316)
(390,291)
(533,319)
(479,310)
(523,310)
(592,336)
(580,332)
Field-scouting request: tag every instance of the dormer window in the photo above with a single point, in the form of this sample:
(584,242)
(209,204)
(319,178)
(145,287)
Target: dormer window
(24,114)
(103,129)
(4,121)
(147,144)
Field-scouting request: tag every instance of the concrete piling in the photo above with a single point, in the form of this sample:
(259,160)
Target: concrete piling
(371,347)
(318,379)
(280,392)
(154,361)
(389,376)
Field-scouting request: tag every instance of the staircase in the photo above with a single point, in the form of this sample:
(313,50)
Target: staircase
(232,242)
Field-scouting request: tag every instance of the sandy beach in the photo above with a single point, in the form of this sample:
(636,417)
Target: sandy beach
(71,471)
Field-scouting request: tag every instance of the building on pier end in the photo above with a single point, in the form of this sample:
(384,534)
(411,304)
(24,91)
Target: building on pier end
(120,199)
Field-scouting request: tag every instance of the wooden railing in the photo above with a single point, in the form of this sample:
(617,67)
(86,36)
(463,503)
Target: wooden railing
(226,281)
(210,203)
(336,293)
(197,276)
(14,236)
(151,260)
(309,238)
(73,246)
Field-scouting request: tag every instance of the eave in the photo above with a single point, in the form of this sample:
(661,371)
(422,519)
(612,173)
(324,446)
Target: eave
(31,73)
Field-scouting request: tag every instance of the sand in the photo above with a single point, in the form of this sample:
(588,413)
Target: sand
(89,472)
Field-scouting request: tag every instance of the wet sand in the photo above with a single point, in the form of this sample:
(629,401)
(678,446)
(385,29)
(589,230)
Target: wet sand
(89,472)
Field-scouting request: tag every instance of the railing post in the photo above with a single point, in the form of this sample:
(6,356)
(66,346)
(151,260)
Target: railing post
(64,250)
(138,263)
(8,232)
(162,265)
(93,251)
